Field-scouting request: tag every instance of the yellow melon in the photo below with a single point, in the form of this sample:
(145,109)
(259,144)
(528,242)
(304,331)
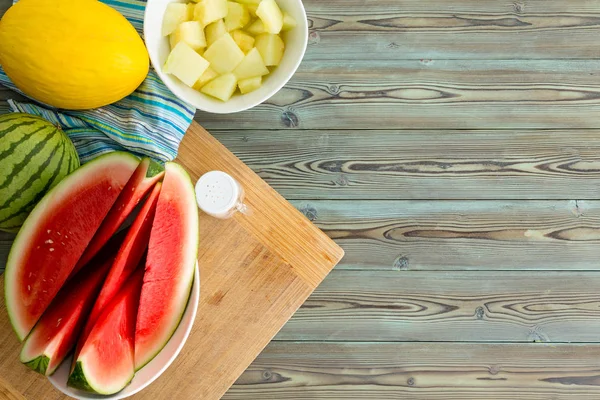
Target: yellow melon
(71,54)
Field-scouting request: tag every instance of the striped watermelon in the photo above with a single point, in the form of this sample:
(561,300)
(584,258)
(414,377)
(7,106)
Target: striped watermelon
(34,156)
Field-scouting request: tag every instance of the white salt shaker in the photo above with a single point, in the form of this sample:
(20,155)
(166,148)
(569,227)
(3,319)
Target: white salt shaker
(219,195)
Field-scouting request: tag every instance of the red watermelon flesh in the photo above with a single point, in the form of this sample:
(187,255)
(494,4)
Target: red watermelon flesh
(56,233)
(170,265)
(105,364)
(128,258)
(147,174)
(54,336)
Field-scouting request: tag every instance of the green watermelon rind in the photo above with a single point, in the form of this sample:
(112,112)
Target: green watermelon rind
(193,271)
(78,380)
(56,148)
(154,169)
(25,231)
(39,364)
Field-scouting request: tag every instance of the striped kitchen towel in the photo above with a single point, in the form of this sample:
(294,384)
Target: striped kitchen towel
(151,121)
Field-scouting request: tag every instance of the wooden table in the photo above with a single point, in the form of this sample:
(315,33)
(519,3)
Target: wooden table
(453,149)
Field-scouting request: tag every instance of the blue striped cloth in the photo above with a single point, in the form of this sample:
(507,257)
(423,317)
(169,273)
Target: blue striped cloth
(151,121)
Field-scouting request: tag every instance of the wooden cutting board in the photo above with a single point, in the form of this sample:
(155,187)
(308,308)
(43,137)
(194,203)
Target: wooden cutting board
(256,270)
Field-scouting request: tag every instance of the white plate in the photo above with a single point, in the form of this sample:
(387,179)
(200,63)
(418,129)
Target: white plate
(153,369)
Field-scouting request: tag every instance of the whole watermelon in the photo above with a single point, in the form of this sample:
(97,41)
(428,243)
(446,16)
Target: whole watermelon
(34,156)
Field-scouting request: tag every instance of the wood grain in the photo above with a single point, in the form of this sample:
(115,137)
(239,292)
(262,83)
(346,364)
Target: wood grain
(464,29)
(424,306)
(412,164)
(454,235)
(6,240)
(256,270)
(429,94)
(461,235)
(7,392)
(443,371)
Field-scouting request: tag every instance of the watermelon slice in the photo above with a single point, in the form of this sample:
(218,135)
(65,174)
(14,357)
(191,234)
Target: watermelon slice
(170,264)
(127,260)
(56,233)
(143,179)
(106,363)
(56,333)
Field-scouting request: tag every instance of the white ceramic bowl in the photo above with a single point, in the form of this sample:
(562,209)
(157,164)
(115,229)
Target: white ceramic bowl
(153,369)
(158,47)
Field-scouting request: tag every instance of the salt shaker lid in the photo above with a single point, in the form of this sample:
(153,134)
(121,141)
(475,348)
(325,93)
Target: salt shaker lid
(217,193)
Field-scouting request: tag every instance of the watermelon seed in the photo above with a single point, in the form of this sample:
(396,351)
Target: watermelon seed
(51,249)
(30,274)
(109,188)
(66,236)
(58,322)
(49,241)
(58,233)
(28,288)
(63,243)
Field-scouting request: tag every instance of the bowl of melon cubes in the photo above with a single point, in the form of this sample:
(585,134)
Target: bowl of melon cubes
(225,56)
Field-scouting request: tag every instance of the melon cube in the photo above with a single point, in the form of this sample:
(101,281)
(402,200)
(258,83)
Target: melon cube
(237,17)
(244,41)
(206,77)
(250,84)
(184,63)
(252,9)
(256,28)
(190,11)
(221,87)
(208,11)
(251,65)
(175,14)
(271,48)
(289,22)
(270,14)
(191,33)
(214,31)
(224,54)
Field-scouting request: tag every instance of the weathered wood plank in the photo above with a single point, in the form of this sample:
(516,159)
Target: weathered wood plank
(511,7)
(421,371)
(463,29)
(424,306)
(461,235)
(6,240)
(425,94)
(4,4)
(453,235)
(369,164)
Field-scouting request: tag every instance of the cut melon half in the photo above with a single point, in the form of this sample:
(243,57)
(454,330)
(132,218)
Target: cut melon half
(106,362)
(56,234)
(170,264)
(128,258)
(141,182)
(54,336)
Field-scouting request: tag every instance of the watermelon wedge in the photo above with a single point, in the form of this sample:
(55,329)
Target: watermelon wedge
(170,264)
(105,364)
(128,258)
(55,334)
(141,182)
(56,233)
